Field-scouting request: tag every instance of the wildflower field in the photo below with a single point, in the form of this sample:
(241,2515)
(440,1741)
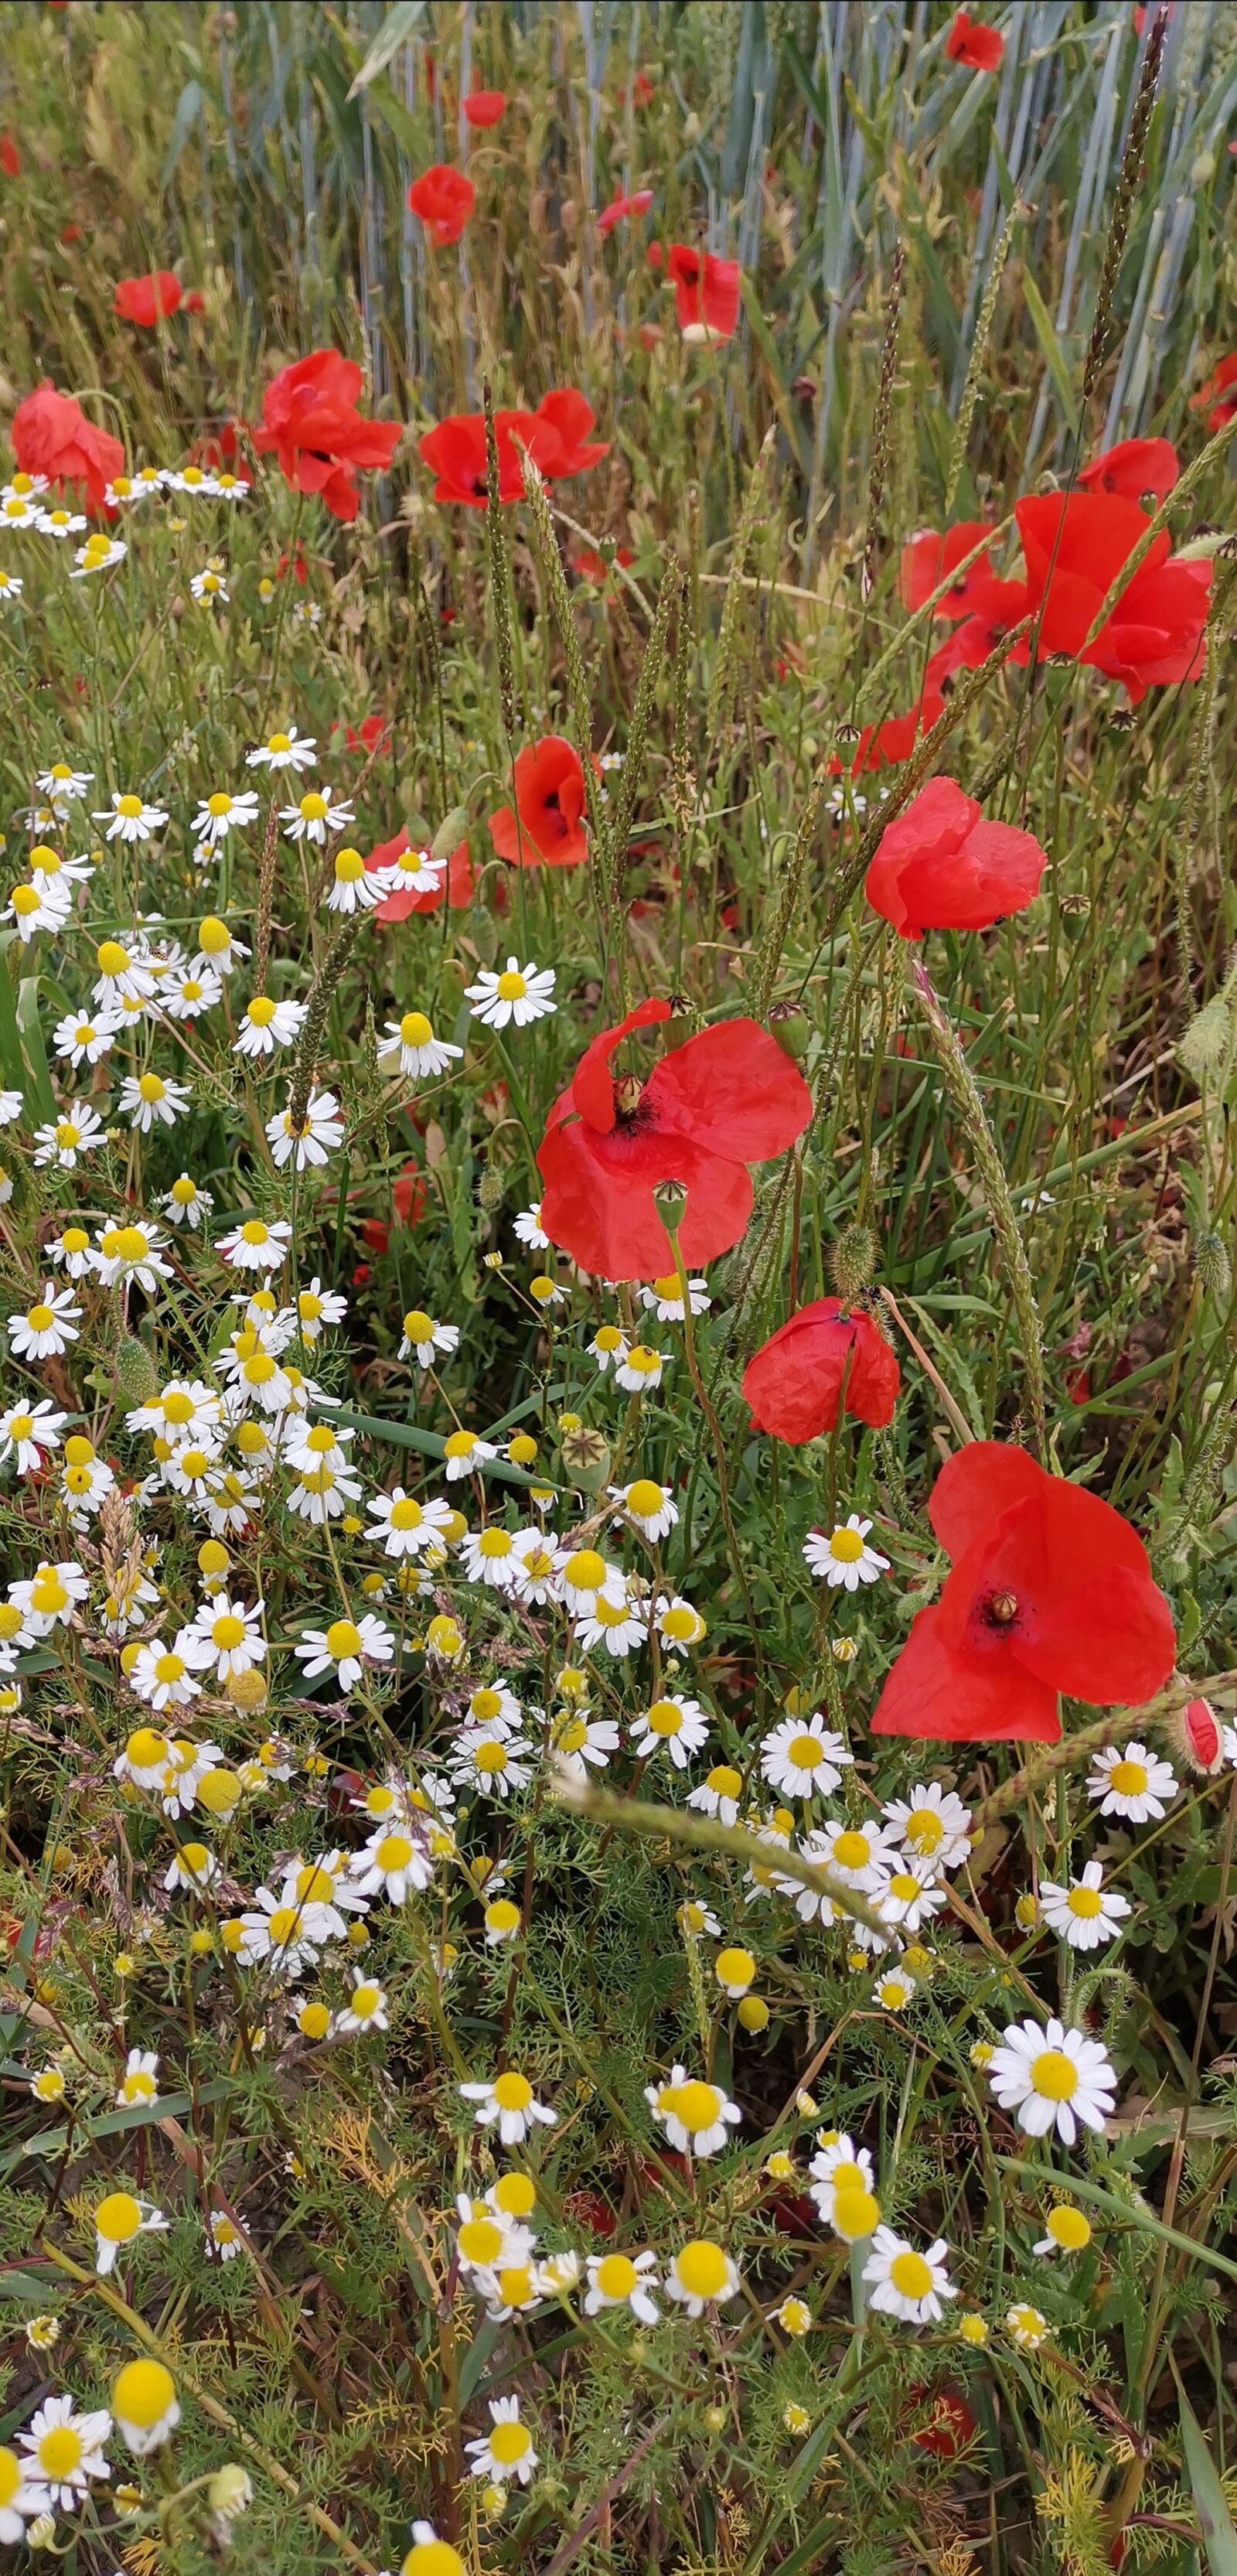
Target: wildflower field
(618,1413)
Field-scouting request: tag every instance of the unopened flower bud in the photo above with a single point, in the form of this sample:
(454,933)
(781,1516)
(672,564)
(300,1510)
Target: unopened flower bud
(1199,1737)
(230,2492)
(490,1188)
(136,1374)
(670,1199)
(1212,1263)
(790,1025)
(852,1262)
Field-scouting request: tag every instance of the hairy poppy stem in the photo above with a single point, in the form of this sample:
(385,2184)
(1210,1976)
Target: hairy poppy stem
(995,1187)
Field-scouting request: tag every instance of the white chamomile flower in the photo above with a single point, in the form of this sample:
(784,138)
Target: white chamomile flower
(490,1761)
(838,2165)
(48,1597)
(535,1576)
(21,2500)
(582,1742)
(622,2281)
(609,1347)
(465,1455)
(665,1298)
(640,1370)
(63,785)
(803,1758)
(406,1526)
(322,1493)
(316,1308)
(82,1037)
(286,749)
(678,1624)
(347,1645)
(19,510)
(423,1338)
(1052,2077)
(528,1229)
(843,1557)
(140,2081)
(695,1919)
(193,1869)
(124,1252)
(312,1139)
(617,1623)
(651,1507)
(353,887)
(365,2010)
(218,949)
(505,2452)
(78,1130)
(209,587)
(186,1203)
(313,816)
(98,554)
(701,2276)
(720,1794)
(909,1893)
(510,2101)
(893,1990)
(190,479)
(226,1634)
(676,1727)
(11,1105)
(61,523)
(932,1824)
(396,1859)
(412,1048)
(1025,2326)
(44,905)
(148,1101)
(1131,1782)
(488,1556)
(518,993)
(858,1855)
(129,818)
(412,872)
(1068,2232)
(694,2115)
(220,814)
(64,2450)
(86,1480)
(903,2283)
(257,1245)
(162,1677)
(187,996)
(48,1326)
(1085,1914)
(55,875)
(266,1026)
(28,1434)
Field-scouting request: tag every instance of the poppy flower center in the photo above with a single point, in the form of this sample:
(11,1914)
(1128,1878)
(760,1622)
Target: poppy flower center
(1054,2075)
(1001,1609)
(910,2275)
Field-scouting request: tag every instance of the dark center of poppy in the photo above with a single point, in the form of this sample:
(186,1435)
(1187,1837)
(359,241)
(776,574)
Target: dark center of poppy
(1001,1609)
(628,1091)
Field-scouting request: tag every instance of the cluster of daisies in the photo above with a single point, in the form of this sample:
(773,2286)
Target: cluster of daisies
(26,510)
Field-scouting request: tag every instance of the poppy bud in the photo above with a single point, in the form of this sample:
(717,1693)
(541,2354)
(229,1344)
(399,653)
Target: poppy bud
(483,932)
(586,1459)
(1199,1737)
(790,1025)
(1214,1268)
(451,986)
(490,1189)
(136,1374)
(670,1199)
(852,1261)
(1074,916)
(1203,1046)
(449,833)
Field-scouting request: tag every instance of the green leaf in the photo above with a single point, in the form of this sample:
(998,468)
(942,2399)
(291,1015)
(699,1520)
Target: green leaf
(395,31)
(31,1028)
(188,110)
(1210,2501)
(1054,355)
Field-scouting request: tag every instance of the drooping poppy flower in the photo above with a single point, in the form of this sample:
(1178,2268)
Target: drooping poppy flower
(10,157)
(442,199)
(1218,397)
(1134,466)
(51,435)
(549,805)
(831,1354)
(706,292)
(485,106)
(942,866)
(882,746)
(1073,548)
(1050,1590)
(456,886)
(311,421)
(980,48)
(621,208)
(726,1098)
(148,300)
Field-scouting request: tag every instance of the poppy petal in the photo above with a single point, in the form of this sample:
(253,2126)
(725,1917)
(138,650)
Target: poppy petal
(938,1696)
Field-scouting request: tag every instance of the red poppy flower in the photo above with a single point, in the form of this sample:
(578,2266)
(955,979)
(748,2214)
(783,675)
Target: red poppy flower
(620,208)
(371,731)
(726,1098)
(1074,548)
(706,291)
(980,48)
(593,567)
(485,106)
(942,866)
(570,417)
(311,421)
(148,300)
(929,558)
(642,91)
(408,1196)
(220,451)
(10,157)
(457,885)
(830,1354)
(1050,1590)
(951,2427)
(882,746)
(550,805)
(1218,397)
(51,435)
(1134,466)
(443,199)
